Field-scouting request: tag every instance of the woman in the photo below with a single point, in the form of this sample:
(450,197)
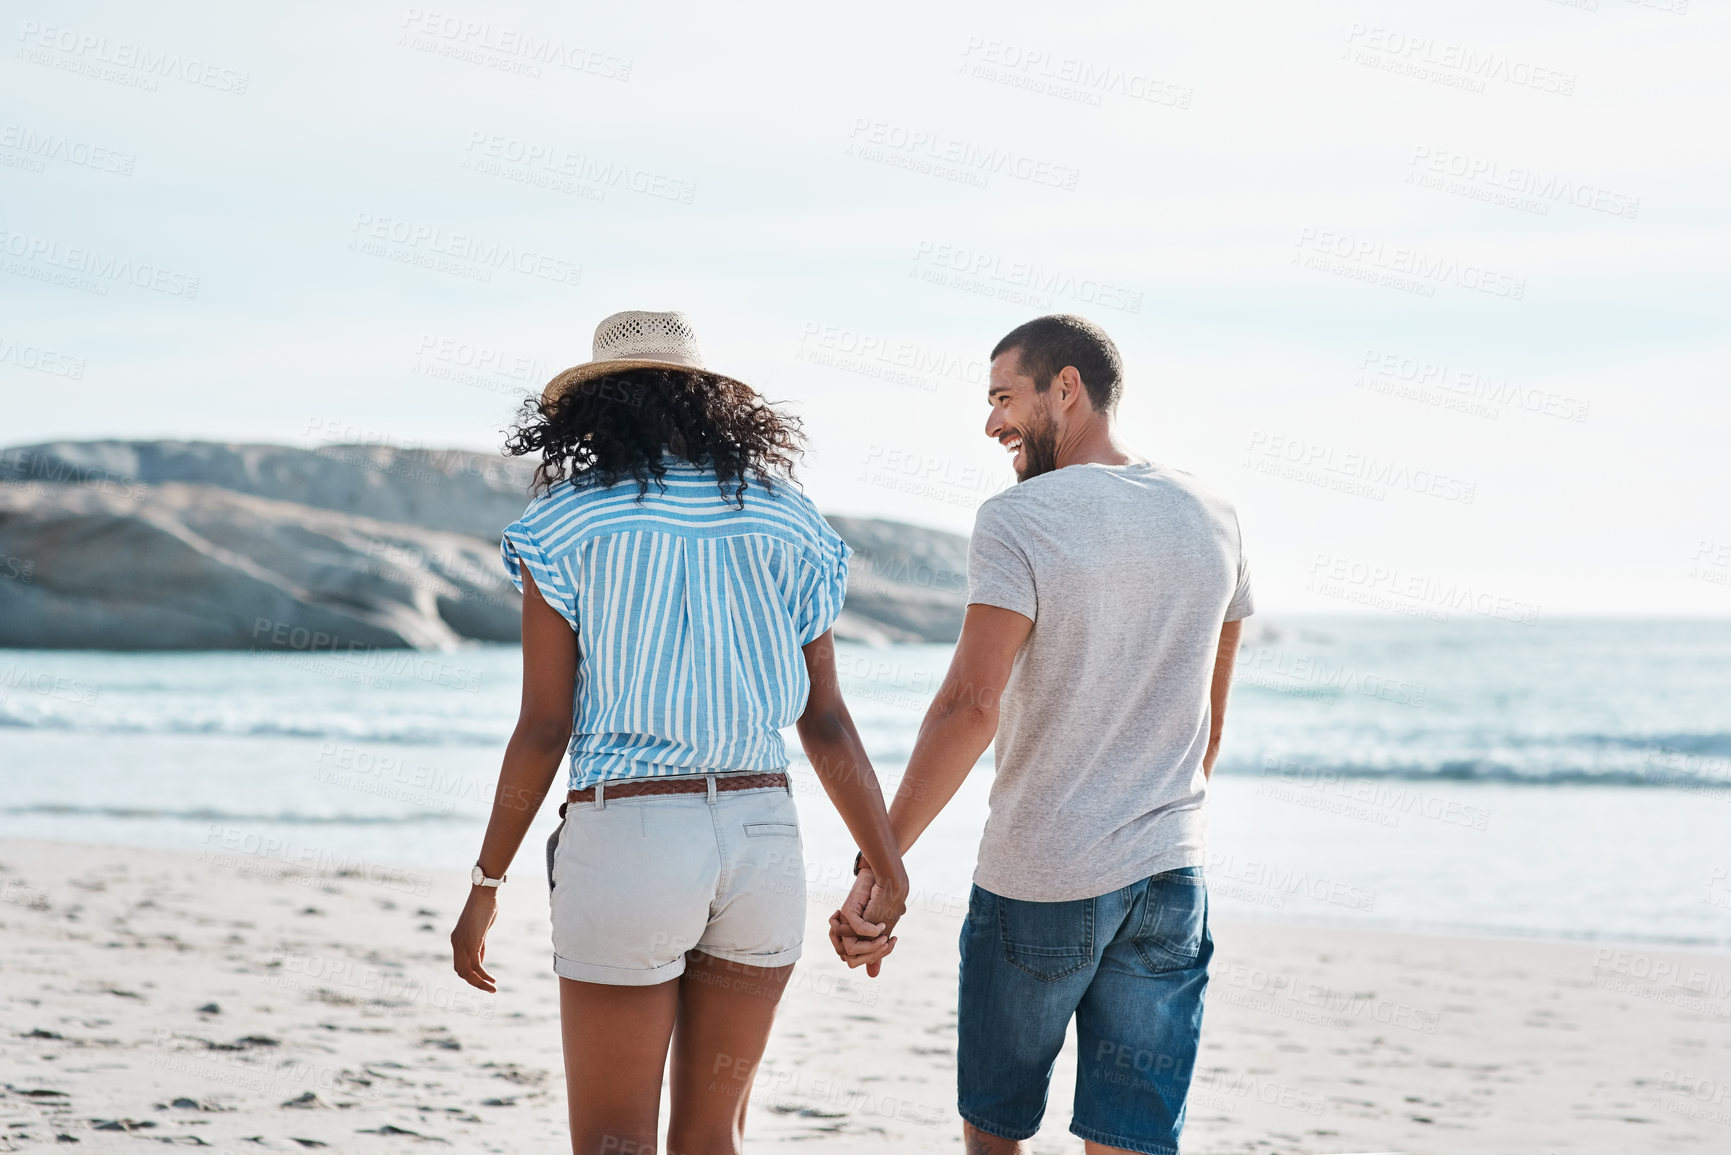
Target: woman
(678,595)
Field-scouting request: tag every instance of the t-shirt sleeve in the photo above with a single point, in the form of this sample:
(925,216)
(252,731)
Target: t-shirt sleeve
(999,573)
(825,586)
(519,548)
(1243,603)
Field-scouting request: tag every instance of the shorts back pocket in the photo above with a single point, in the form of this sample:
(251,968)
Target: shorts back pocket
(1174,906)
(1047,940)
(771,830)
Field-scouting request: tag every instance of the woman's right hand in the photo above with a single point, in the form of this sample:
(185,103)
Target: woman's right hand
(469,939)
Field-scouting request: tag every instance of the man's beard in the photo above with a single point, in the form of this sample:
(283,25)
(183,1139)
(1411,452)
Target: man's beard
(1039,449)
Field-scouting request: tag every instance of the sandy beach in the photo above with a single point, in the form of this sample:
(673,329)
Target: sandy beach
(234,1000)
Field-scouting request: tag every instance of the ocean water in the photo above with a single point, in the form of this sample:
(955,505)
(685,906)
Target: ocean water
(1564,778)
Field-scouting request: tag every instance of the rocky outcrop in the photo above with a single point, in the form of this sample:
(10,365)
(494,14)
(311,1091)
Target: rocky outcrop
(200,545)
(454,490)
(904,583)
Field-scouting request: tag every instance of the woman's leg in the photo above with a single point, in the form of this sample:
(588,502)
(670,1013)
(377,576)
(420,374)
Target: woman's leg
(725,1012)
(615,1052)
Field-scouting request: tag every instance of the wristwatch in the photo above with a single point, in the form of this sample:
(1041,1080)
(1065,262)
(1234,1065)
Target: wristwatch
(478,877)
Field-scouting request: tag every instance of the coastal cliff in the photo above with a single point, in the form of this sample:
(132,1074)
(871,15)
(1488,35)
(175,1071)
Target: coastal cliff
(129,545)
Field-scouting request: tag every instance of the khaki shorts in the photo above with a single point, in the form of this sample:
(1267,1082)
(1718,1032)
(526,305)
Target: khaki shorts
(637,882)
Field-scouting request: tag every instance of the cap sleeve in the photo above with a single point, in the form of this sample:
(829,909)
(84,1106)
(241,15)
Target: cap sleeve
(1243,603)
(826,584)
(519,548)
(999,573)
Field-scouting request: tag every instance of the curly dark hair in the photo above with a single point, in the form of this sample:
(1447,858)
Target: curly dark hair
(617,425)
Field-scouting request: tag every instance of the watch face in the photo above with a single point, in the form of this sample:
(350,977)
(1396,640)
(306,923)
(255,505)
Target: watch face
(475,875)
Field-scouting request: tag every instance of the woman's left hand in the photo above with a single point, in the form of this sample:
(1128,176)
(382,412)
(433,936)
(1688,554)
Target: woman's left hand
(469,939)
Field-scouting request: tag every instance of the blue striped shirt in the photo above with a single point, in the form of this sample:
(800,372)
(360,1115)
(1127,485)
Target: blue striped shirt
(690,615)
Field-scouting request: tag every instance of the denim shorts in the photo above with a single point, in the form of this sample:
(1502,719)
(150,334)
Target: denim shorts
(637,882)
(1131,966)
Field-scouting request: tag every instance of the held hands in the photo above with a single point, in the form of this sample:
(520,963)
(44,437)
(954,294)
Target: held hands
(469,939)
(860,930)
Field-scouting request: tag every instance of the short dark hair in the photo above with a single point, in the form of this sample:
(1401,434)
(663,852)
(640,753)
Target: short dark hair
(1049,343)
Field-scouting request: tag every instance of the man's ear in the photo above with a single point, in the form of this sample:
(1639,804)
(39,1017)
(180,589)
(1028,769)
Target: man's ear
(1069,385)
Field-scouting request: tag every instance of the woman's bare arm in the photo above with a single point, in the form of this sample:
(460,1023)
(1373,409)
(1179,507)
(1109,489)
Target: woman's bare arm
(833,745)
(532,760)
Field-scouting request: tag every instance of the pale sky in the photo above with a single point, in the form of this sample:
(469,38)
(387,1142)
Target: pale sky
(1436,293)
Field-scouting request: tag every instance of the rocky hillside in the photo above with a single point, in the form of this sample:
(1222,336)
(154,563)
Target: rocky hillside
(204,545)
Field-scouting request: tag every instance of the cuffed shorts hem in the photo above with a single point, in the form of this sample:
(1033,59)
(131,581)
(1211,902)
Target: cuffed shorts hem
(1124,1141)
(570,968)
(780,958)
(998,1129)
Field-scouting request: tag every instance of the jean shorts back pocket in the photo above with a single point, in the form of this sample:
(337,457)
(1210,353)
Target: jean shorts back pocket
(1174,910)
(1047,940)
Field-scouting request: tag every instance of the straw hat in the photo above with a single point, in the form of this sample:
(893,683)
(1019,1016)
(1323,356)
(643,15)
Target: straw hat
(633,340)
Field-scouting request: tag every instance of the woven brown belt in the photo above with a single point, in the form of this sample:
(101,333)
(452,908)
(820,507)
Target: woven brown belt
(631,788)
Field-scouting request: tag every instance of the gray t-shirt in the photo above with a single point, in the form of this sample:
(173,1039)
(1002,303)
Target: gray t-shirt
(1128,572)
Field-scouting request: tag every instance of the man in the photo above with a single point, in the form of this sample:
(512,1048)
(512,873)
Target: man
(1105,598)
